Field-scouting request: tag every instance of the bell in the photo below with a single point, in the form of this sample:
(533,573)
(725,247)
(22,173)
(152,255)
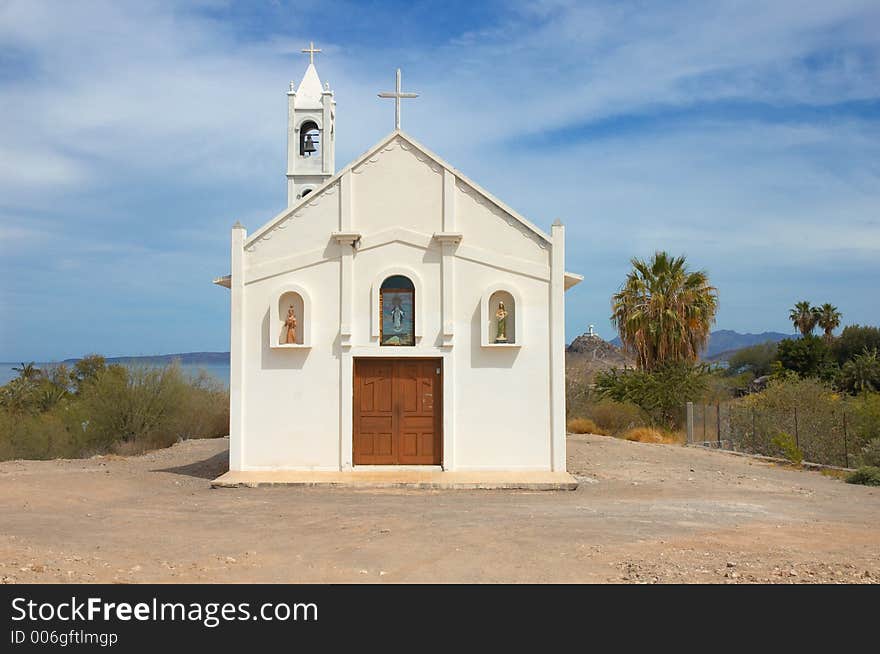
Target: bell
(309,146)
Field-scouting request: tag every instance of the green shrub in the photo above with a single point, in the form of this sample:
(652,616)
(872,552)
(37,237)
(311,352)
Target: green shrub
(871,453)
(661,393)
(756,359)
(866,476)
(116,409)
(786,445)
(863,419)
(861,374)
(853,340)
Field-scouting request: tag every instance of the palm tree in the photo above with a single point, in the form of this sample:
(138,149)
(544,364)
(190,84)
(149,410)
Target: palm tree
(804,316)
(663,312)
(861,374)
(829,319)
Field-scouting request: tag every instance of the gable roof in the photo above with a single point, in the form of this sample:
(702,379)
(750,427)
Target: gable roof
(284,215)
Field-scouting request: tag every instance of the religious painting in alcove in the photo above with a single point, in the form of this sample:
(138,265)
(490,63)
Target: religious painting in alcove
(397,311)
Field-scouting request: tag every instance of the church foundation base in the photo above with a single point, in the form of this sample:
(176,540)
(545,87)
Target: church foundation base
(410,479)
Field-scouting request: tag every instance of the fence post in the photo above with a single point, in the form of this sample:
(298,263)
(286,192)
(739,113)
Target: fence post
(690,422)
(797,440)
(718,422)
(845,448)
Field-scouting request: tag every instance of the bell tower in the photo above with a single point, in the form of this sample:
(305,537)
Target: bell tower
(311,137)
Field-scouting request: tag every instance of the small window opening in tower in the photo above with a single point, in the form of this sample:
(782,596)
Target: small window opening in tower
(305,192)
(309,139)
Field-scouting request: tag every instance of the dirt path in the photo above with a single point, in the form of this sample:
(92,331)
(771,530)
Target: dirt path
(643,513)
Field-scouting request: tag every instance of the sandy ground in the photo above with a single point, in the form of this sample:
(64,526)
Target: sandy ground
(643,513)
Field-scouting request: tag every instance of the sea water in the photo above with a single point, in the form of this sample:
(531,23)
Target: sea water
(218,370)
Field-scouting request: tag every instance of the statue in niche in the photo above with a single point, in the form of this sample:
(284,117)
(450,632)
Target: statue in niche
(290,327)
(501,317)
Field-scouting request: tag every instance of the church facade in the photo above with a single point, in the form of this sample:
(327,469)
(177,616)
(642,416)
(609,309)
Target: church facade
(394,314)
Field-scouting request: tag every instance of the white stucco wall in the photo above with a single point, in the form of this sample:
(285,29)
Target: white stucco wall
(290,407)
(406,212)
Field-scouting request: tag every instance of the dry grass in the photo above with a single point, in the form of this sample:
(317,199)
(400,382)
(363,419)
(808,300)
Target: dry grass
(584,426)
(653,435)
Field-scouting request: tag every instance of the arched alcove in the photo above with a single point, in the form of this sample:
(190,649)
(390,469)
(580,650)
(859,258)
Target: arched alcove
(501,306)
(408,282)
(309,139)
(296,299)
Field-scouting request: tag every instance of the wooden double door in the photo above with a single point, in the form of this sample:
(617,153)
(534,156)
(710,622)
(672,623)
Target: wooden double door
(397,410)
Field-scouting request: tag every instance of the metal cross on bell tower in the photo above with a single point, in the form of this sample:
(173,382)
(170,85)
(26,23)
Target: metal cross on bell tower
(311,51)
(397,94)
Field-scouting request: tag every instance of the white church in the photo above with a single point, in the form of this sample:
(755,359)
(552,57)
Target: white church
(394,318)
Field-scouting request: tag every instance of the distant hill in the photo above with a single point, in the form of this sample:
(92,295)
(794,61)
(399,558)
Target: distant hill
(588,354)
(727,341)
(186,358)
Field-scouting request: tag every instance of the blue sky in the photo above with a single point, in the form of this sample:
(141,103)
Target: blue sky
(742,134)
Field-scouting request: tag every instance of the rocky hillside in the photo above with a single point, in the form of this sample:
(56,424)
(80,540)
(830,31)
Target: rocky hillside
(588,354)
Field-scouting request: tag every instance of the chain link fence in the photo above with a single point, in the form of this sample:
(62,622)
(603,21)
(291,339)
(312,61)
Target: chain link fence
(818,435)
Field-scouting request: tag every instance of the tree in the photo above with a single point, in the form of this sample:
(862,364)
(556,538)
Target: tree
(804,316)
(663,312)
(828,320)
(861,374)
(853,340)
(757,359)
(87,370)
(661,393)
(808,356)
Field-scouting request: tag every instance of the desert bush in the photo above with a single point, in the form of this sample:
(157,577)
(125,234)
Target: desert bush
(863,419)
(807,409)
(866,476)
(153,407)
(644,435)
(116,409)
(583,426)
(578,397)
(47,435)
(756,359)
(615,417)
(786,445)
(871,453)
(661,393)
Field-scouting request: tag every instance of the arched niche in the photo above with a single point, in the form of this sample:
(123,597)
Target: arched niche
(284,298)
(309,138)
(418,300)
(492,298)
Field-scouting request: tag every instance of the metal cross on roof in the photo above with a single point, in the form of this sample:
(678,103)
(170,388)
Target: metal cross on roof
(397,95)
(311,50)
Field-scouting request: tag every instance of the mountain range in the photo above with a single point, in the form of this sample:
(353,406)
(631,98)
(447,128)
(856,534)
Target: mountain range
(728,341)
